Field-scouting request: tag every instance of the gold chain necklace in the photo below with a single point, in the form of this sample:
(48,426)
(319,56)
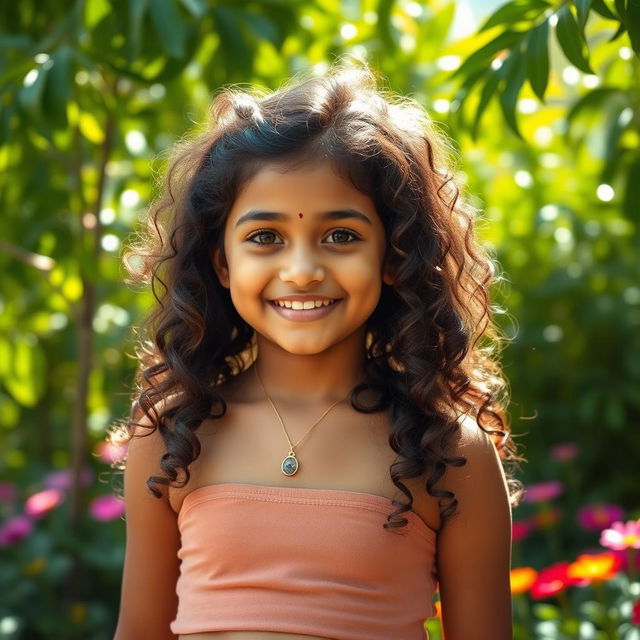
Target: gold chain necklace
(290,463)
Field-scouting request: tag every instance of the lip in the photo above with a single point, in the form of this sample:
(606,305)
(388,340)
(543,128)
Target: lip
(304,315)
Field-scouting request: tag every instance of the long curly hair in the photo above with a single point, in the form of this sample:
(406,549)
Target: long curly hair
(432,348)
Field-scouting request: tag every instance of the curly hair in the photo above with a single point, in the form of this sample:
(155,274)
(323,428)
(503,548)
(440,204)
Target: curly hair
(432,348)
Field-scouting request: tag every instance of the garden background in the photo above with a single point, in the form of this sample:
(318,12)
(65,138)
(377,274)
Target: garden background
(542,101)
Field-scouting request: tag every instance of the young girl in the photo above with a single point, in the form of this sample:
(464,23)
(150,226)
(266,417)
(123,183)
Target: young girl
(318,440)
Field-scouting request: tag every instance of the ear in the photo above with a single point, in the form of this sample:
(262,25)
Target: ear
(387,278)
(219,264)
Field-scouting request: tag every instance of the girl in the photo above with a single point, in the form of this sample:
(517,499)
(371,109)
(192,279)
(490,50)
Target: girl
(317,440)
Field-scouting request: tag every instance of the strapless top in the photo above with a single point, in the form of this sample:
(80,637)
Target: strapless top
(306,561)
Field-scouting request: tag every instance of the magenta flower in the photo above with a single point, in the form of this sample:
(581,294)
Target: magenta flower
(543,491)
(597,517)
(520,529)
(564,451)
(622,535)
(7,492)
(110,453)
(42,502)
(61,479)
(106,508)
(15,529)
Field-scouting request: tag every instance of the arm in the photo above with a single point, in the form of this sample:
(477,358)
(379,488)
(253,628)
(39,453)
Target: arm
(148,601)
(474,546)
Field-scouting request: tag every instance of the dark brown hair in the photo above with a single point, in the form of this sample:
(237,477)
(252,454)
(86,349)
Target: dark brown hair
(432,347)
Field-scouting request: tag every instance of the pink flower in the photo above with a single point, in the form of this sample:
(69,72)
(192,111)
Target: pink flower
(61,479)
(622,535)
(564,451)
(40,503)
(543,491)
(7,492)
(14,529)
(520,529)
(597,517)
(106,508)
(110,453)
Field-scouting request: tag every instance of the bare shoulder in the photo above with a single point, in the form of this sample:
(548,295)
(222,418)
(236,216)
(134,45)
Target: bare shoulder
(483,469)
(474,546)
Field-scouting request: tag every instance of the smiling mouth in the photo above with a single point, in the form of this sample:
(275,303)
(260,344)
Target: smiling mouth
(303,305)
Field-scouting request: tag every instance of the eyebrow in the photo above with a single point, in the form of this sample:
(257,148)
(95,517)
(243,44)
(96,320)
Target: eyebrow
(338,214)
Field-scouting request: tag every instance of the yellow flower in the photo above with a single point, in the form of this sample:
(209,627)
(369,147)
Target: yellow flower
(598,566)
(522,578)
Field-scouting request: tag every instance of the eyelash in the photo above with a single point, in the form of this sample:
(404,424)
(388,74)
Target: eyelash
(354,237)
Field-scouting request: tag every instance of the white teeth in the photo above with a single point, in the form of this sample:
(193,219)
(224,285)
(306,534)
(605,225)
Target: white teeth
(306,304)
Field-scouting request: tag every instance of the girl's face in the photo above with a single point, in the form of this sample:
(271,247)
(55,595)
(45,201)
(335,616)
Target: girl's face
(303,257)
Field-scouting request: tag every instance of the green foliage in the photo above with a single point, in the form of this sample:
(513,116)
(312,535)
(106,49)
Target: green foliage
(93,92)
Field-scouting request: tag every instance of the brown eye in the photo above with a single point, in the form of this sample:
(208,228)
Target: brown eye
(342,236)
(263,237)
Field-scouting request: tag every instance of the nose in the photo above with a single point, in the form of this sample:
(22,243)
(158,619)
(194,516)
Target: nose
(302,268)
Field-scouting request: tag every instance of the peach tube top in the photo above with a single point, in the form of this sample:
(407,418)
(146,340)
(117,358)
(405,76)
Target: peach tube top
(306,561)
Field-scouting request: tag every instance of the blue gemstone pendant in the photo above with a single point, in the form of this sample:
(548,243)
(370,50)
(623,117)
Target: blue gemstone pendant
(290,465)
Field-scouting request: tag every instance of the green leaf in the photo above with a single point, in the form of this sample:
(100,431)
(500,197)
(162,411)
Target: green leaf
(600,7)
(234,47)
(617,122)
(582,7)
(95,11)
(25,380)
(137,11)
(546,611)
(30,96)
(169,26)
(457,113)
(632,22)
(57,88)
(264,29)
(488,91)
(483,56)
(197,8)
(537,58)
(571,40)
(516,11)
(384,25)
(619,31)
(21,42)
(514,73)
(631,203)
(592,100)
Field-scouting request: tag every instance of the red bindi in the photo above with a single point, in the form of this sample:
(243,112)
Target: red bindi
(300,216)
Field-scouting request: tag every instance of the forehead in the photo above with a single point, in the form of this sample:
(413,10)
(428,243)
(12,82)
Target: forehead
(300,187)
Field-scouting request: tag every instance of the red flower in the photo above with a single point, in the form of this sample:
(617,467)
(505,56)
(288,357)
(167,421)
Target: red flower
(635,613)
(553,580)
(520,529)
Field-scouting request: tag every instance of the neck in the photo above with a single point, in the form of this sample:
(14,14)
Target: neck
(326,376)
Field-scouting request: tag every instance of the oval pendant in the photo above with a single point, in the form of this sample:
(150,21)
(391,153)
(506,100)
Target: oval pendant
(290,465)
